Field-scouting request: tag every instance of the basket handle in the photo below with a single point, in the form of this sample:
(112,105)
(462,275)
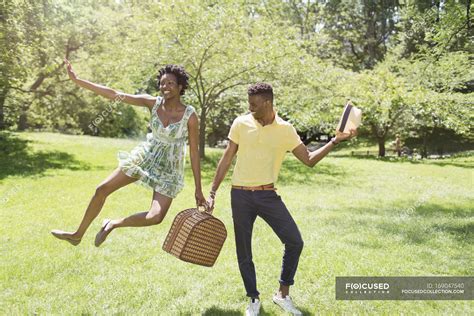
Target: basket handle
(204,208)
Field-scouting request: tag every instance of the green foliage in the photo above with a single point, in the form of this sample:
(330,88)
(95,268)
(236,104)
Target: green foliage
(222,116)
(434,28)
(42,34)
(407,64)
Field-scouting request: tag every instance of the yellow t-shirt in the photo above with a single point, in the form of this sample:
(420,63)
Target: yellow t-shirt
(261,149)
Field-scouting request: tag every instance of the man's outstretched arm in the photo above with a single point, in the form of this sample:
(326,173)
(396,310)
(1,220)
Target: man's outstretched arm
(311,158)
(222,168)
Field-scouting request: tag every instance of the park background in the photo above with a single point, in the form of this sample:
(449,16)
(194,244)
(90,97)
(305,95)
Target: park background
(362,211)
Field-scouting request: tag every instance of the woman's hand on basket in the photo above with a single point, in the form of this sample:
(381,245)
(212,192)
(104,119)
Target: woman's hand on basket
(200,199)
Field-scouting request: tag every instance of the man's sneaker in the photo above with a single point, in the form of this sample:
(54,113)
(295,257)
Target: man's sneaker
(286,304)
(254,307)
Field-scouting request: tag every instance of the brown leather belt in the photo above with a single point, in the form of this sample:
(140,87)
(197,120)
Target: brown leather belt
(265,187)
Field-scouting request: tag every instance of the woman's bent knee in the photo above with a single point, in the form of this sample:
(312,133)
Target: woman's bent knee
(102,191)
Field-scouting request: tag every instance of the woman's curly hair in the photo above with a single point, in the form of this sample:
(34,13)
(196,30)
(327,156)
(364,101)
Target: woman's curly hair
(179,72)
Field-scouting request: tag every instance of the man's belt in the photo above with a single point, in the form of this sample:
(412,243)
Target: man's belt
(265,187)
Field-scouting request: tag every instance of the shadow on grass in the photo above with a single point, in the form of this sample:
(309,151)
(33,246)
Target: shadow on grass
(418,227)
(436,162)
(304,311)
(461,231)
(421,234)
(17,158)
(436,210)
(216,311)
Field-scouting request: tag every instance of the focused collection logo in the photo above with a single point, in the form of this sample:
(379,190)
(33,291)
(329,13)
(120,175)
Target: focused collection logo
(367,287)
(405,288)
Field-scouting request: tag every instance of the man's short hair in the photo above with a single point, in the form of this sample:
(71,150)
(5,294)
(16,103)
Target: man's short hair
(261,88)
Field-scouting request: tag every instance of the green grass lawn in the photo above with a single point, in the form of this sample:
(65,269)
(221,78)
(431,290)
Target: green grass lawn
(366,217)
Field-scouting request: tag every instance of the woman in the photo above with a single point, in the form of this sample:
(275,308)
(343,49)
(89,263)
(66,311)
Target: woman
(157,163)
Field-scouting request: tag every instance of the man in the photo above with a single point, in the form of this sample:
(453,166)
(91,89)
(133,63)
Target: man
(398,145)
(261,139)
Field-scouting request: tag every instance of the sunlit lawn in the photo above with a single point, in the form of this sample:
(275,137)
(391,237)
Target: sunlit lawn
(357,216)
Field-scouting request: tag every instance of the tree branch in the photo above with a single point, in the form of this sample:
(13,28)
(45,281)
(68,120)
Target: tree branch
(43,76)
(214,97)
(238,73)
(354,51)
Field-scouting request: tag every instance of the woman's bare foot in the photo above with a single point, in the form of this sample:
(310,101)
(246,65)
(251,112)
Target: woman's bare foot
(107,227)
(70,237)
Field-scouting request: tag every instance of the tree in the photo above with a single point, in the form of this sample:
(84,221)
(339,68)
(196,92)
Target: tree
(401,61)
(223,47)
(39,93)
(37,42)
(10,71)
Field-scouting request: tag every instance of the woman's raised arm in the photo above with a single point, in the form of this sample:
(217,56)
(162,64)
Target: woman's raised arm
(139,100)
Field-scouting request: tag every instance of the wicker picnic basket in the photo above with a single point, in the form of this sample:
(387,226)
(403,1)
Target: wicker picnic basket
(195,236)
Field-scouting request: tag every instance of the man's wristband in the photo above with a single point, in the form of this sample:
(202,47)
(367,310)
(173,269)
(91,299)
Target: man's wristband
(333,141)
(212,193)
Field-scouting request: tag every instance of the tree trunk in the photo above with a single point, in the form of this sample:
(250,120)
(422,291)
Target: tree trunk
(424,149)
(3,95)
(202,132)
(379,134)
(371,35)
(23,121)
(468,15)
(381,142)
(438,9)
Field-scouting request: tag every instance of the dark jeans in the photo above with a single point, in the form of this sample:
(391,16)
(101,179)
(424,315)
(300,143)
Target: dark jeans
(246,206)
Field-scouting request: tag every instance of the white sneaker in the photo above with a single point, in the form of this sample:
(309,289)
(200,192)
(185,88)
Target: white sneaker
(253,309)
(286,304)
